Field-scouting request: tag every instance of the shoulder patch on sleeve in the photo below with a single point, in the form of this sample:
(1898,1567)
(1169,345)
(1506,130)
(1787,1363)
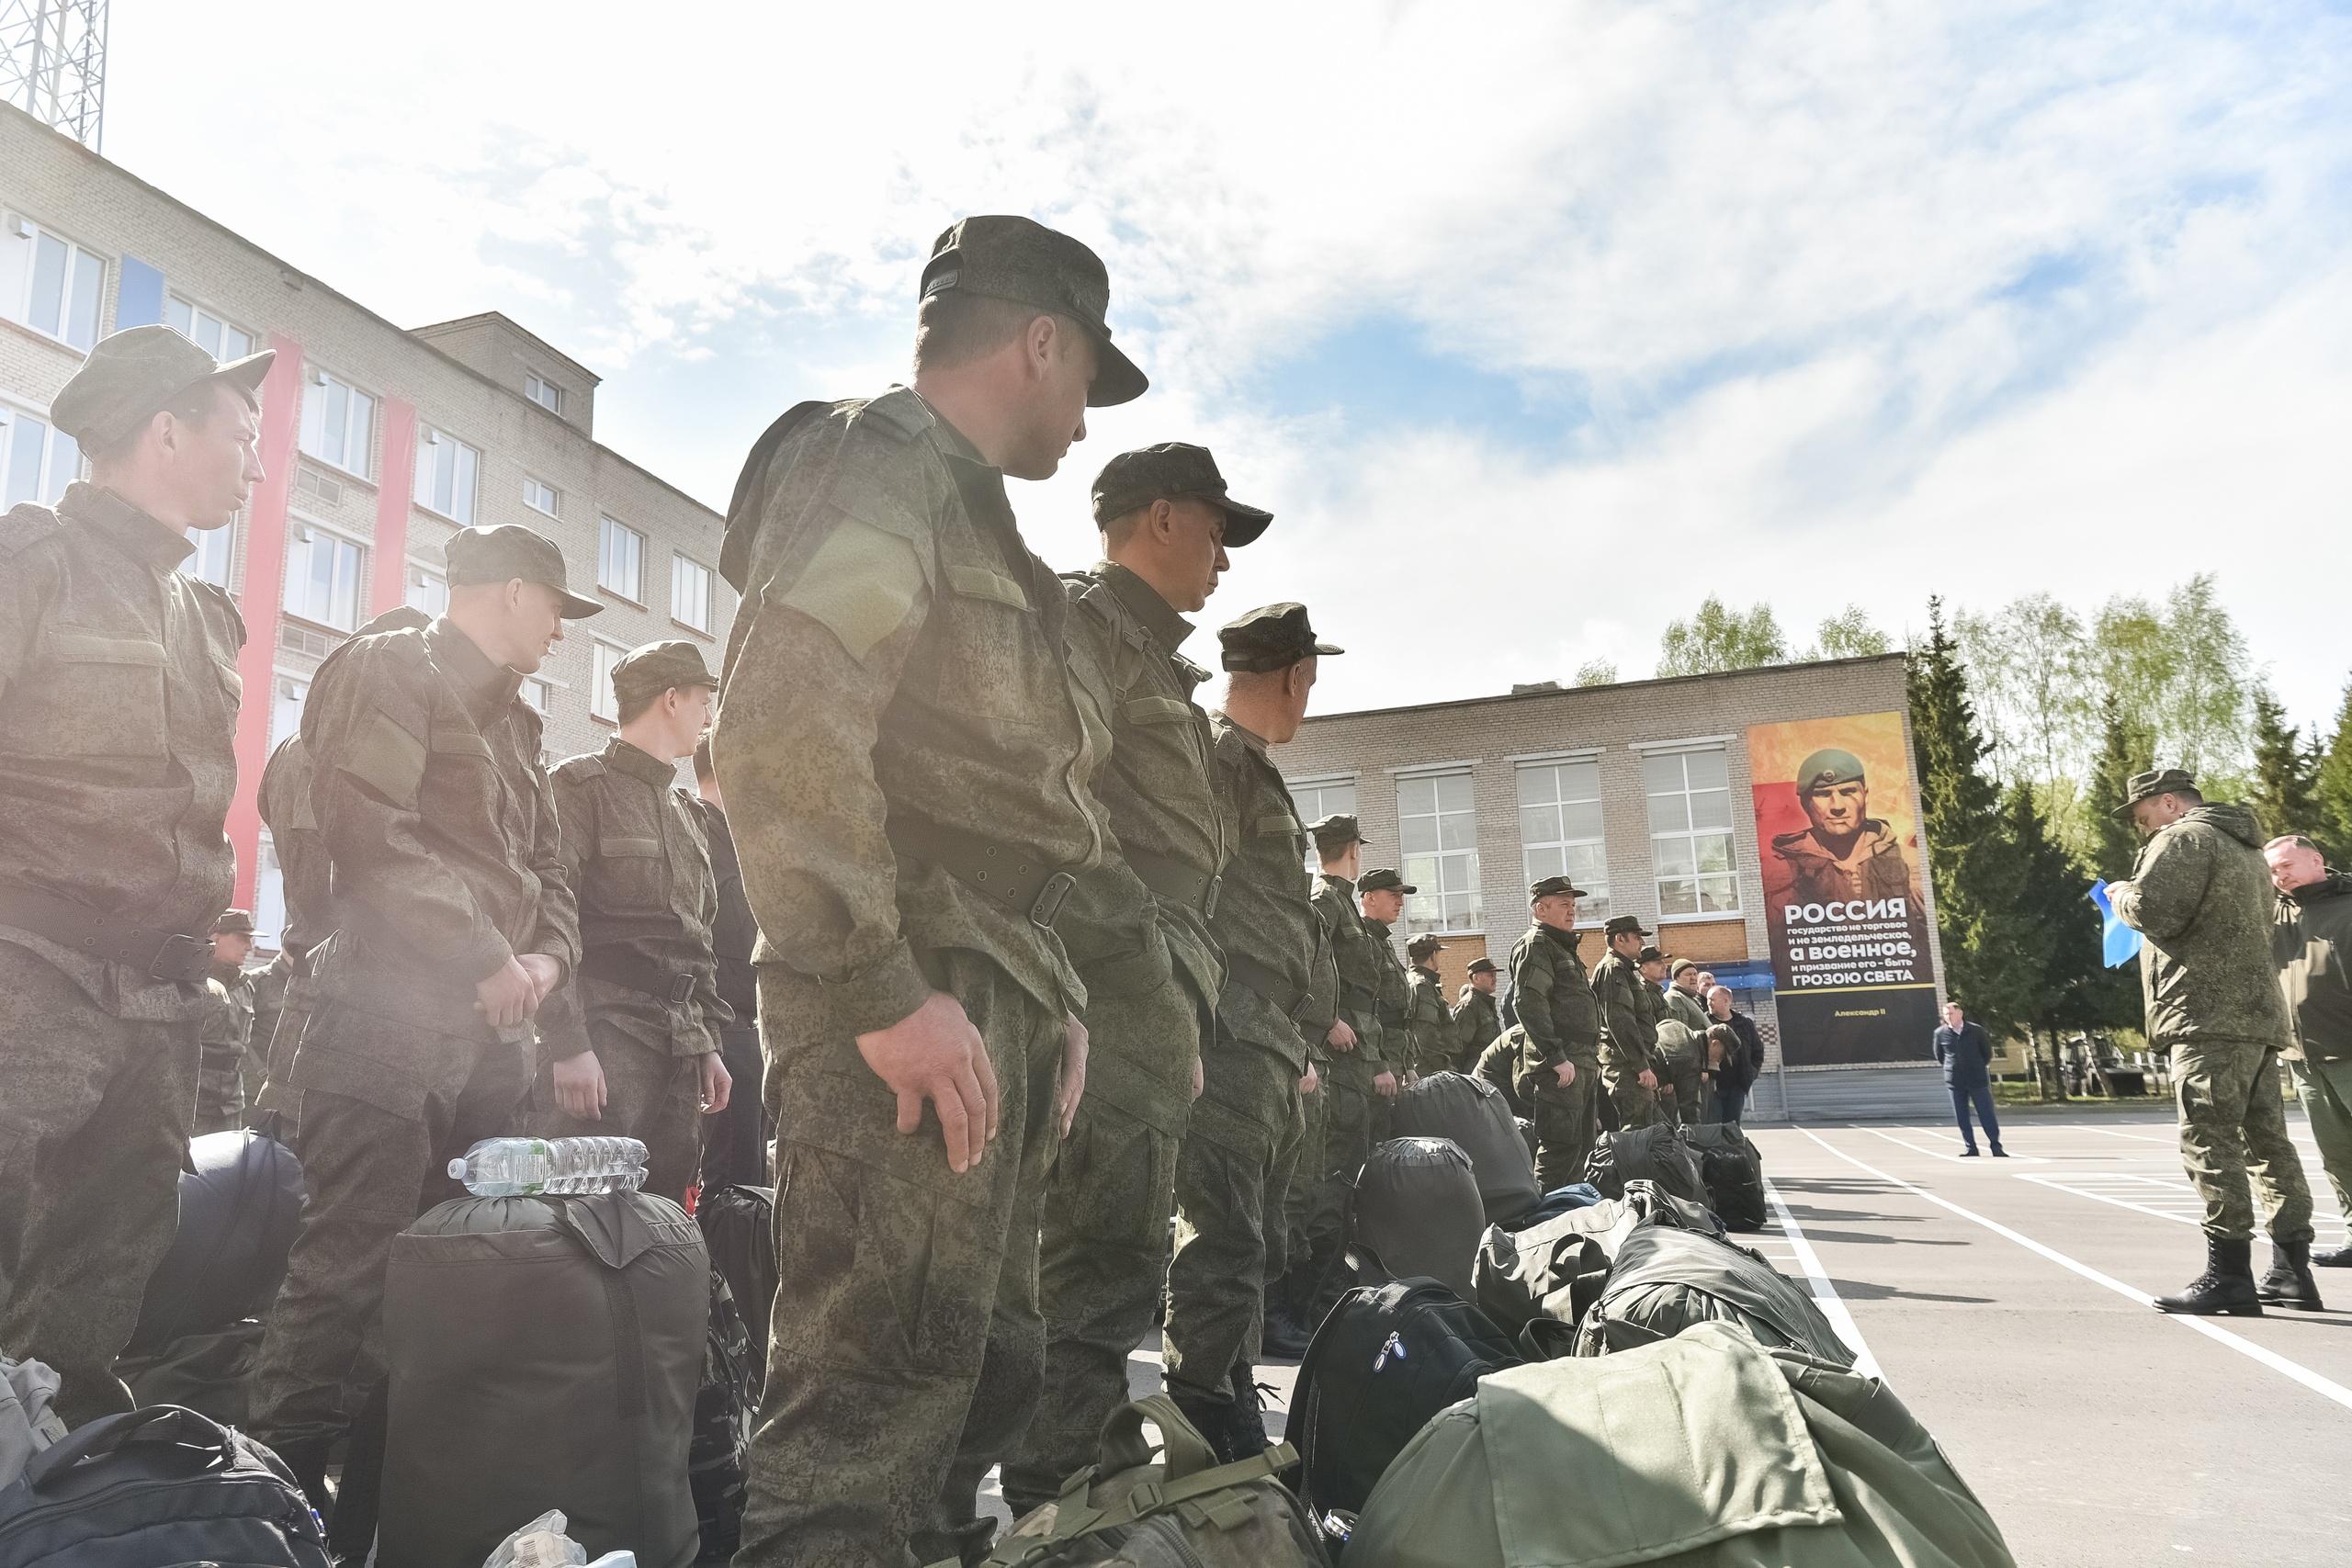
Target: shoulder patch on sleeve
(388,760)
(861,584)
(21,527)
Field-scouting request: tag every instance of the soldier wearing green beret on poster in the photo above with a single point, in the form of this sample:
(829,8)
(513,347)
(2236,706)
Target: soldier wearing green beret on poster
(1846,852)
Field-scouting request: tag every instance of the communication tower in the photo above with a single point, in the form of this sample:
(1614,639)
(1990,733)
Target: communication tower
(54,64)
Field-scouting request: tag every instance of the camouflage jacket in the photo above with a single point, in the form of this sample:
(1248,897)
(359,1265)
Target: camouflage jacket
(898,671)
(2201,895)
(224,1031)
(1628,1025)
(735,936)
(636,854)
(119,697)
(302,864)
(1264,920)
(1686,1011)
(1557,1010)
(1806,873)
(1477,1021)
(1430,1022)
(1503,1064)
(2311,937)
(1358,958)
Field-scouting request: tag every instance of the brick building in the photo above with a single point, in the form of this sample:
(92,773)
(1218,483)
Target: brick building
(1644,792)
(379,443)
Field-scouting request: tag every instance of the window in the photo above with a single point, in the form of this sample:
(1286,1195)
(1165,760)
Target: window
(48,283)
(540,693)
(1437,835)
(1690,833)
(600,702)
(544,392)
(215,336)
(1559,829)
(446,470)
(215,547)
(540,496)
(339,425)
(322,577)
(37,461)
(427,590)
(269,894)
(285,699)
(620,560)
(690,593)
(1319,798)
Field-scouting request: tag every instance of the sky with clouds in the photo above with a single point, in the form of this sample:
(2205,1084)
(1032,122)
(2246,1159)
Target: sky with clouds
(1532,324)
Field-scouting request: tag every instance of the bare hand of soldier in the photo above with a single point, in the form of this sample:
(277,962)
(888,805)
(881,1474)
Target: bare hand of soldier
(506,996)
(579,1087)
(1342,1037)
(1565,1072)
(1312,1081)
(715,1082)
(1071,1085)
(934,1053)
(1384,1086)
(1200,1081)
(544,972)
(1649,1078)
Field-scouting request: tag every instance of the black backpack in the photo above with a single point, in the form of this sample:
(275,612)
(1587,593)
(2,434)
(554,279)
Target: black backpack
(1655,1153)
(739,1226)
(1733,1168)
(724,1408)
(240,1205)
(157,1486)
(1388,1359)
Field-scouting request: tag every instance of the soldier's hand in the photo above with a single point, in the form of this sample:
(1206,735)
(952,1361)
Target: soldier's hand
(933,1053)
(1565,1072)
(1200,1078)
(1312,1081)
(506,996)
(544,972)
(1342,1037)
(1384,1086)
(1070,1086)
(1649,1078)
(716,1084)
(579,1087)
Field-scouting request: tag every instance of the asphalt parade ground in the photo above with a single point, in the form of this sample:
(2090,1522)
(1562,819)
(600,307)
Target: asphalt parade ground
(2007,1303)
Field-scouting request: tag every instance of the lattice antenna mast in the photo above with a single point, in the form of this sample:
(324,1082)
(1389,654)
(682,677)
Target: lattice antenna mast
(54,64)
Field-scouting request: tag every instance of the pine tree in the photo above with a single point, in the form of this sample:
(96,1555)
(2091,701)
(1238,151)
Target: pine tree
(2282,794)
(2332,788)
(2114,998)
(2055,931)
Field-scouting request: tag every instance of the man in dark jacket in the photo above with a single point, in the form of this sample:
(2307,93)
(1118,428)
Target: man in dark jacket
(1967,1059)
(2310,936)
(1739,1071)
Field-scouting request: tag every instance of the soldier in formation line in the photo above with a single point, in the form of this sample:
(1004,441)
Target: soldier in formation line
(225,1037)
(1559,1074)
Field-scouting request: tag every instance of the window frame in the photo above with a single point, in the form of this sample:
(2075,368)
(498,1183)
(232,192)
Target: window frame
(1699,878)
(1593,910)
(555,497)
(604,702)
(1316,784)
(411,584)
(431,438)
(195,308)
(279,680)
(54,444)
(20,310)
(1440,887)
(634,594)
(543,684)
(552,402)
(203,539)
(321,381)
(358,579)
(679,561)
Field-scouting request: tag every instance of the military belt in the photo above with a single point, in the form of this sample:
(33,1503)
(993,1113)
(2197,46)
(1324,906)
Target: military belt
(163,954)
(635,972)
(1002,875)
(1175,881)
(1286,999)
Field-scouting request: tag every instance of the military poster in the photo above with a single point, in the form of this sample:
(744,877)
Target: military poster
(1838,836)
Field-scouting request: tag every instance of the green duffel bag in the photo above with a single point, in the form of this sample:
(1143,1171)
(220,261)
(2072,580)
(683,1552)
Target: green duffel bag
(1705,1451)
(1186,1511)
(1666,1280)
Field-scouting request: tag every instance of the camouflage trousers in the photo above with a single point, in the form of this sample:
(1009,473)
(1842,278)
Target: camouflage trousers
(1564,1124)
(1236,1162)
(278,1051)
(907,1343)
(1682,1076)
(1300,1187)
(368,1172)
(651,1096)
(1355,1119)
(1635,1106)
(1102,1246)
(2233,1126)
(2326,1090)
(94,1128)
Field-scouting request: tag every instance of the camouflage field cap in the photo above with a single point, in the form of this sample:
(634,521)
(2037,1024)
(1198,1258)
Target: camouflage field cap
(1170,472)
(2152,783)
(1485,966)
(1422,946)
(1336,831)
(1552,886)
(509,551)
(1383,881)
(133,375)
(1827,767)
(1272,637)
(1672,1032)
(1619,925)
(234,922)
(1021,260)
(657,666)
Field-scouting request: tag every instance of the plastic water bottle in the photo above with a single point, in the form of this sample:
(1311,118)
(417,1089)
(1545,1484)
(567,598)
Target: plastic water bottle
(514,1167)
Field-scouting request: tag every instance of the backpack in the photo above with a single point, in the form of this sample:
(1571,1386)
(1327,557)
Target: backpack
(739,1226)
(1705,1451)
(1186,1511)
(1388,1359)
(1416,1208)
(1474,1114)
(240,1205)
(1666,1280)
(724,1408)
(1655,1153)
(157,1486)
(1555,1269)
(1733,1169)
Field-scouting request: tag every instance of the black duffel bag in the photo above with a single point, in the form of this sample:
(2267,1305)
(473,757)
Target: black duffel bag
(739,1226)
(1666,1280)
(1471,1112)
(1417,1209)
(156,1487)
(724,1408)
(1655,1153)
(1733,1168)
(241,1203)
(1388,1359)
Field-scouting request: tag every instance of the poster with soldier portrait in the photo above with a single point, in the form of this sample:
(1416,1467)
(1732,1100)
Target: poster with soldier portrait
(1839,836)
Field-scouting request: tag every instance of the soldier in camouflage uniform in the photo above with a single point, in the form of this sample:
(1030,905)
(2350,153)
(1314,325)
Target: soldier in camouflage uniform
(226,1032)
(1628,1024)
(1685,1063)
(1139,936)
(637,857)
(2200,895)
(1240,1145)
(908,763)
(1381,895)
(1845,852)
(118,696)
(1477,1019)
(454,922)
(1559,1024)
(1428,1020)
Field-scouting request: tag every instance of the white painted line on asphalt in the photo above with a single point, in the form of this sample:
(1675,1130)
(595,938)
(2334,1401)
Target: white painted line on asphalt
(2323,1387)
(1936,1154)
(1825,1294)
(2062,1185)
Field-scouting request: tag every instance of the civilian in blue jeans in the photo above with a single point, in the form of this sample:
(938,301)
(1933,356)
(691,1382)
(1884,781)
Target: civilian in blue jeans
(1967,1057)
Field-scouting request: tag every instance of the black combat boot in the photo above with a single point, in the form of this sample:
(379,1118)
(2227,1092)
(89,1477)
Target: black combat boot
(2334,1258)
(2226,1288)
(1212,1418)
(1283,1338)
(2289,1282)
(1246,1428)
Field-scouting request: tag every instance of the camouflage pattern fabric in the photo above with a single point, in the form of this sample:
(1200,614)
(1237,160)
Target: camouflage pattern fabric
(1477,1021)
(2234,1129)
(1559,1014)
(2326,1090)
(652,1096)
(2201,895)
(1395,991)
(1499,1065)
(1804,870)
(223,1034)
(1629,1035)
(1564,1121)
(2312,941)
(1430,1022)
(1685,1064)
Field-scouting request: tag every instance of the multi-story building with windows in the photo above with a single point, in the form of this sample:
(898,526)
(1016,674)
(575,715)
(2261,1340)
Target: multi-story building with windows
(1649,795)
(379,443)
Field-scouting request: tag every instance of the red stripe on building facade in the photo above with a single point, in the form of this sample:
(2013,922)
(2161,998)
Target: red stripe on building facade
(264,595)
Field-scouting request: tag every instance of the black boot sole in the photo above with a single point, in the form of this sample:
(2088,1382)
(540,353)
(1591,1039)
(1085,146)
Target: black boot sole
(2237,1309)
(2296,1304)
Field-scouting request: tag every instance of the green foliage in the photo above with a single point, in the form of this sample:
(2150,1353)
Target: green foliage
(1719,638)
(2332,787)
(2032,664)
(1849,635)
(2182,675)
(1597,673)
(2283,795)
(2112,995)
(2055,927)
